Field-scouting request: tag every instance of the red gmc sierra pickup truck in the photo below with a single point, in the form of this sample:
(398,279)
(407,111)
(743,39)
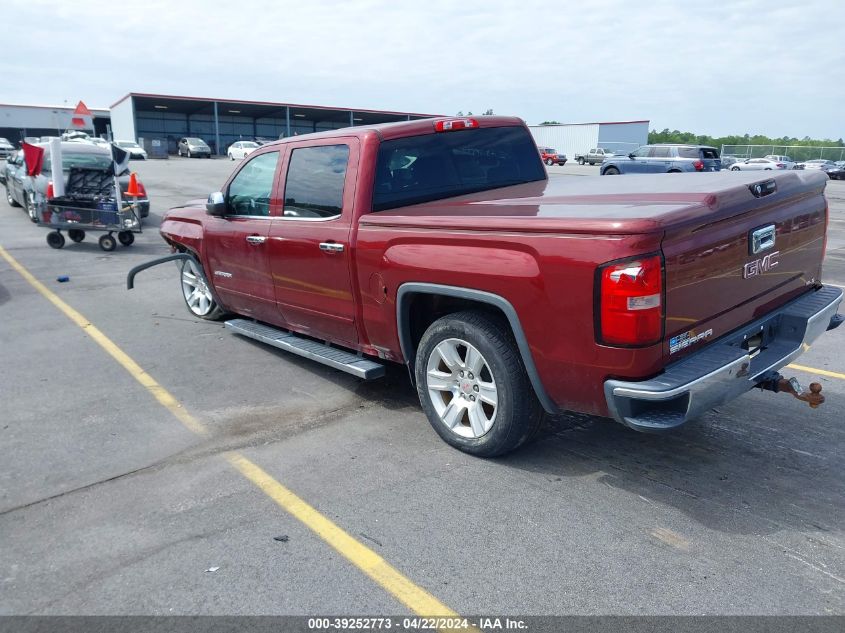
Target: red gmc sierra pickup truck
(442,244)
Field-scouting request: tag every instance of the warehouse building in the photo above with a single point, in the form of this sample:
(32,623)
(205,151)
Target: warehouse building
(20,121)
(161,120)
(579,138)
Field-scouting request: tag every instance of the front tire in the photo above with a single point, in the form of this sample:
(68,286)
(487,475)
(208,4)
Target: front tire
(549,162)
(196,292)
(473,386)
(12,202)
(734,168)
(611,171)
(231,156)
(189,153)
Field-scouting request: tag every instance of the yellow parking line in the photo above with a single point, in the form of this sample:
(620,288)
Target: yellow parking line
(365,559)
(369,562)
(813,370)
(160,393)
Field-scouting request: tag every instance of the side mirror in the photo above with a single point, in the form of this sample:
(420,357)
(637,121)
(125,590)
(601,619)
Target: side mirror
(631,155)
(216,204)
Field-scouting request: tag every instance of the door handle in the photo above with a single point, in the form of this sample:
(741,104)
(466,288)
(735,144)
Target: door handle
(255,240)
(331,247)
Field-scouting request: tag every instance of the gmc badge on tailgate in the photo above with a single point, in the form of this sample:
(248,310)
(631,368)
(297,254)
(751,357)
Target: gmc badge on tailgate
(760,266)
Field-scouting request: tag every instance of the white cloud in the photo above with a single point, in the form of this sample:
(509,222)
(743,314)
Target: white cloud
(756,66)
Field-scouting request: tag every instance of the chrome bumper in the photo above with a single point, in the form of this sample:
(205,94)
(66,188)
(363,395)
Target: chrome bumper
(724,369)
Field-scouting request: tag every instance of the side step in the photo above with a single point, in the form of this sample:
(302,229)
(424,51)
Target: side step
(320,352)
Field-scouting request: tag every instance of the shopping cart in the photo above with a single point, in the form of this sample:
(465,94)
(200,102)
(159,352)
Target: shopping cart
(76,216)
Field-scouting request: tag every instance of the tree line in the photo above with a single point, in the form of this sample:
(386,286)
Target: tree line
(676,136)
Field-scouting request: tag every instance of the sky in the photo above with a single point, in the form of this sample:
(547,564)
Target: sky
(767,66)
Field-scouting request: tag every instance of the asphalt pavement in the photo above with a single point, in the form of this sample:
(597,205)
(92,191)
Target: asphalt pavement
(110,505)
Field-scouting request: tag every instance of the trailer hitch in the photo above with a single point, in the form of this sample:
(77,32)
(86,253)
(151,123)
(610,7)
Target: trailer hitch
(777,383)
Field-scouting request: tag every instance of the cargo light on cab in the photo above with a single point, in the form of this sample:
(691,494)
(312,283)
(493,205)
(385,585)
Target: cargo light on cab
(452,125)
(629,307)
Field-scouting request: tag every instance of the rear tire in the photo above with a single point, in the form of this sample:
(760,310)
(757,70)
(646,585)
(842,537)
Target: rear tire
(580,161)
(734,168)
(611,171)
(481,401)
(29,207)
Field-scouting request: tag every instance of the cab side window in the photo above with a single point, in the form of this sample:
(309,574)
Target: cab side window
(251,190)
(314,184)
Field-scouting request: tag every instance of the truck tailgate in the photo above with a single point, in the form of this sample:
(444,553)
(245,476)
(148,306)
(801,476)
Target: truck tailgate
(759,248)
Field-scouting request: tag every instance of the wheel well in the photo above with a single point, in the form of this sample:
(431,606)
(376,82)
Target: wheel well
(674,171)
(420,305)
(424,309)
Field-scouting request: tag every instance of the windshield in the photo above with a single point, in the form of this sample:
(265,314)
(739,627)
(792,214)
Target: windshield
(443,165)
(195,141)
(126,144)
(88,160)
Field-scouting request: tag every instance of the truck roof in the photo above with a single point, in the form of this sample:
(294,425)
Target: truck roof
(401,129)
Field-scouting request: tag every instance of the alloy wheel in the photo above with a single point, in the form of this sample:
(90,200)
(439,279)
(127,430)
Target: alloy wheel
(195,289)
(462,388)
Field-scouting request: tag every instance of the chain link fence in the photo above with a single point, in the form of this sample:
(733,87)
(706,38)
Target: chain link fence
(798,153)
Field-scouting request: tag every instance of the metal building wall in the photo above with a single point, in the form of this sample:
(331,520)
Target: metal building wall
(567,139)
(623,136)
(17,121)
(123,121)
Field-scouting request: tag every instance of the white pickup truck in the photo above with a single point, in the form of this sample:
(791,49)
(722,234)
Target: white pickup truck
(594,156)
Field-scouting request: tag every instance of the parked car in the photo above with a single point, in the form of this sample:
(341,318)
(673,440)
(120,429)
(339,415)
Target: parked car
(728,160)
(191,146)
(758,164)
(30,192)
(448,260)
(817,163)
(664,158)
(786,160)
(136,152)
(6,147)
(595,155)
(13,161)
(551,157)
(835,171)
(101,142)
(241,149)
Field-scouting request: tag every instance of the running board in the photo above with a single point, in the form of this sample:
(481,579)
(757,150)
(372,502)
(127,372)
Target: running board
(307,348)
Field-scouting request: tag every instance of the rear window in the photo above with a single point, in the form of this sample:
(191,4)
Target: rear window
(698,152)
(83,161)
(443,165)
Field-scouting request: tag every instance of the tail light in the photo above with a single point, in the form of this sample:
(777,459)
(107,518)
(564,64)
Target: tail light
(451,125)
(629,307)
(699,165)
(50,191)
(780,166)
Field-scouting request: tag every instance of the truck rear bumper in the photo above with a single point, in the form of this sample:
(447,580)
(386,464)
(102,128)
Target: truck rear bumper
(726,368)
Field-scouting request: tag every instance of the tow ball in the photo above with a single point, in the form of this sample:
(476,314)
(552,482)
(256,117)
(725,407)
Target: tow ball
(778,383)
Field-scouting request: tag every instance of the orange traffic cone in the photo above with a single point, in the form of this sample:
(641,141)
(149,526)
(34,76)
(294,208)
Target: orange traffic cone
(132,190)
(50,190)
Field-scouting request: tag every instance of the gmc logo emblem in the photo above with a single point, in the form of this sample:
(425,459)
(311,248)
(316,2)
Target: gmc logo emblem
(760,266)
